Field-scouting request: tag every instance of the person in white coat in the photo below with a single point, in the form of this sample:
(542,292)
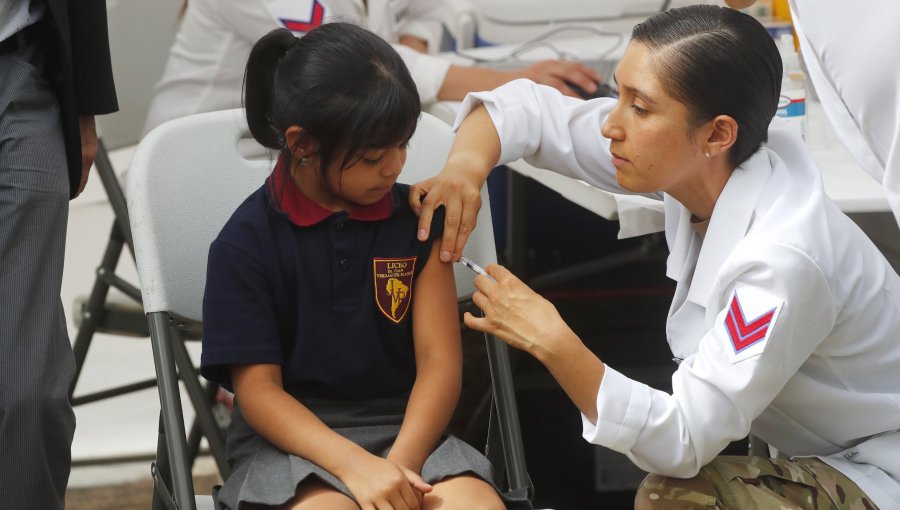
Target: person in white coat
(205,68)
(785,315)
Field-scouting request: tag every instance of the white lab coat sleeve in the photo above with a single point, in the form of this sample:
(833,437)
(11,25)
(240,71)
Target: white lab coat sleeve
(426,70)
(250,19)
(718,392)
(550,130)
(423,20)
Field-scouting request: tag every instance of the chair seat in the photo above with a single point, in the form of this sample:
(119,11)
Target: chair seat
(121,315)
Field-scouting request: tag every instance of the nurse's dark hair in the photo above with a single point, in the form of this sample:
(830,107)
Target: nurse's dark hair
(346,87)
(717,61)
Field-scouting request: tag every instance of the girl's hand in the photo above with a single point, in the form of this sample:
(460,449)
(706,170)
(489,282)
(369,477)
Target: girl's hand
(379,484)
(516,314)
(420,488)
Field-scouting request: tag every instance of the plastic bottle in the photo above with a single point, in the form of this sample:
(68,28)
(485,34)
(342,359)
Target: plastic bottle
(792,103)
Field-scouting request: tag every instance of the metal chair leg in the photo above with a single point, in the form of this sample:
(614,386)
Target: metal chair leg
(196,433)
(91,319)
(507,413)
(204,415)
(163,341)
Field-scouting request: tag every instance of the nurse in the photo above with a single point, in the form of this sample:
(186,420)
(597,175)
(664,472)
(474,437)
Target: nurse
(785,315)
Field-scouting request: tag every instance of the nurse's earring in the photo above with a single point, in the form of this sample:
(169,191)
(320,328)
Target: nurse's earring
(305,160)
(706,154)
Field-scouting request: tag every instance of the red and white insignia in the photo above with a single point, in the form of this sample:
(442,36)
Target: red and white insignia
(298,16)
(749,320)
(393,286)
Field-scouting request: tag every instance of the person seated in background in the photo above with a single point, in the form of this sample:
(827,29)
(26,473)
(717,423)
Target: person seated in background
(205,67)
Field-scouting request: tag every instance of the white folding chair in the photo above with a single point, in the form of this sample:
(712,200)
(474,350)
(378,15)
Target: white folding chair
(185,180)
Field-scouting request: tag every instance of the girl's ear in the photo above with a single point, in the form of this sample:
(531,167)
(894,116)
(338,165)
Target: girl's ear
(299,142)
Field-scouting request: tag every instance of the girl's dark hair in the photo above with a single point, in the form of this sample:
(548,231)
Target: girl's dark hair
(717,61)
(346,87)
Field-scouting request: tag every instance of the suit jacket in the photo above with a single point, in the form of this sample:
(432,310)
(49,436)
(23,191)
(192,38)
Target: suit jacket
(79,68)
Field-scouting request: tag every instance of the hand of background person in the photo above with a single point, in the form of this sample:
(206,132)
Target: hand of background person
(516,314)
(555,73)
(379,484)
(88,148)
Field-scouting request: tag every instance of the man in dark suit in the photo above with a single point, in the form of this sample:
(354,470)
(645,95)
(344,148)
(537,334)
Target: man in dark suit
(55,75)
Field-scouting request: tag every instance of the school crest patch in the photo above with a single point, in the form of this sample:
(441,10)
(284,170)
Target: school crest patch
(749,320)
(393,286)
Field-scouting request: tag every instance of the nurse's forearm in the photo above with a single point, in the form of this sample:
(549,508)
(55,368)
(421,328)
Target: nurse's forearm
(577,370)
(476,148)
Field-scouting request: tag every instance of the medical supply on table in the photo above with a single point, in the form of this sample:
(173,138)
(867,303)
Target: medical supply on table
(792,103)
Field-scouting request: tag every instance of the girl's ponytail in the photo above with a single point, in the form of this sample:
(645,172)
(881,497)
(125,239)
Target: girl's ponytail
(259,85)
(347,88)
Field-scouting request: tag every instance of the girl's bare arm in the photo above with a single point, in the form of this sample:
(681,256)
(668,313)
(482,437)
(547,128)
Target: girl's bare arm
(438,364)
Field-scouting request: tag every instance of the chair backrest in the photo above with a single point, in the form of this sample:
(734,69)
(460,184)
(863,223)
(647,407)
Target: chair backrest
(188,176)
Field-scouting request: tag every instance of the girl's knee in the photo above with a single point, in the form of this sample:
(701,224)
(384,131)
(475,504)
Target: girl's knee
(463,493)
(316,495)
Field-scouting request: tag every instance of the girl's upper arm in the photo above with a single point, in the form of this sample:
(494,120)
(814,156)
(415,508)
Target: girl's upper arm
(435,314)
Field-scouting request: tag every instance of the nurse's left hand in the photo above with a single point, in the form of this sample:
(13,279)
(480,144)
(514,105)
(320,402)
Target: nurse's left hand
(516,314)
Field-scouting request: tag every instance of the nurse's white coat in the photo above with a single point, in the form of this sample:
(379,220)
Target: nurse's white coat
(786,316)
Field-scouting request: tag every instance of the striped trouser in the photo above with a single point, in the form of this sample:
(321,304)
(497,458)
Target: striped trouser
(36,362)
(755,483)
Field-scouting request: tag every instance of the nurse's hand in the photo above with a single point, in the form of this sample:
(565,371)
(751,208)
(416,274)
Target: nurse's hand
(516,314)
(459,192)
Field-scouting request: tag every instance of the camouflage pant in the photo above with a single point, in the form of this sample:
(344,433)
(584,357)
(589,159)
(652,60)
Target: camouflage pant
(748,483)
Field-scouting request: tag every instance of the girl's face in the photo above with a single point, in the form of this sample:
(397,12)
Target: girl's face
(650,135)
(367,180)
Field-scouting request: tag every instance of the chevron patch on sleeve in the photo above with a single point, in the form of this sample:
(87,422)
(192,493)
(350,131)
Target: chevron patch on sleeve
(298,16)
(749,320)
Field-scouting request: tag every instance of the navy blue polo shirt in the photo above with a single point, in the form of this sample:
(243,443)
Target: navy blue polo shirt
(327,295)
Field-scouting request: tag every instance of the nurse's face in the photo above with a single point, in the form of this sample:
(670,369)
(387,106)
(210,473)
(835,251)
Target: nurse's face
(651,139)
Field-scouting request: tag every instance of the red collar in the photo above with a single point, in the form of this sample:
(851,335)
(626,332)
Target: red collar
(302,211)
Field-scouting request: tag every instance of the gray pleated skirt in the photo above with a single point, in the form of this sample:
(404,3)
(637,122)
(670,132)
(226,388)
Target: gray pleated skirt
(264,475)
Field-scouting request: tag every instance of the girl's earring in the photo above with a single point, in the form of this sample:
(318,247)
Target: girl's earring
(305,160)
(707,154)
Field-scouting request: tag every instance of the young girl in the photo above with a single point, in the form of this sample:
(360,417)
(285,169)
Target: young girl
(336,329)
